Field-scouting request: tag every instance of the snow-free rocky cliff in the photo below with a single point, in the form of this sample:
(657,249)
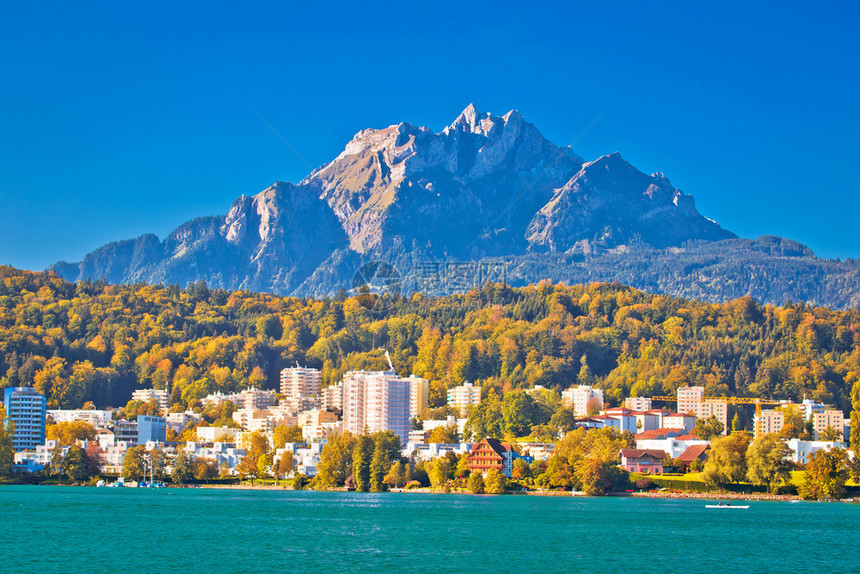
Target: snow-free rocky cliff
(484,187)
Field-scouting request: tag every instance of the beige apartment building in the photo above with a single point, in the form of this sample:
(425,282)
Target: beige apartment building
(464,396)
(637,403)
(692,400)
(332,397)
(768,422)
(827,418)
(419,395)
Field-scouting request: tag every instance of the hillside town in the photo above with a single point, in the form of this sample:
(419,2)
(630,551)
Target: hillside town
(297,421)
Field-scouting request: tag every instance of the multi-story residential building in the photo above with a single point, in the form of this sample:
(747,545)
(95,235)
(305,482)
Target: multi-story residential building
(376,401)
(126,431)
(332,397)
(419,393)
(253,420)
(180,421)
(151,428)
(672,441)
(256,399)
(768,422)
(685,421)
(223,455)
(160,396)
(621,418)
(464,396)
(449,421)
(217,434)
(637,403)
(98,419)
(691,400)
(319,424)
(821,420)
(579,398)
(247,399)
(801,450)
(300,382)
(490,454)
(297,405)
(27,409)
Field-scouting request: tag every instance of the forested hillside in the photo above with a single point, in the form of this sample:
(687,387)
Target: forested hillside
(90,341)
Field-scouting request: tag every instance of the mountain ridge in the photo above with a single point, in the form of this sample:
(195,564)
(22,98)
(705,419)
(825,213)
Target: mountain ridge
(484,187)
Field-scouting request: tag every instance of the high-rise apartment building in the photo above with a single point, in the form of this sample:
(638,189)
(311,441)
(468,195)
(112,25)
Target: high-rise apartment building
(300,382)
(27,409)
(376,401)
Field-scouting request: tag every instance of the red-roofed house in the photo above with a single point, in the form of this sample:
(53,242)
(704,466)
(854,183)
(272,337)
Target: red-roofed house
(694,452)
(491,453)
(642,460)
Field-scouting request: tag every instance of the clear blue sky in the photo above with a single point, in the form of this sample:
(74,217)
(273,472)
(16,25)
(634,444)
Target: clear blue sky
(118,119)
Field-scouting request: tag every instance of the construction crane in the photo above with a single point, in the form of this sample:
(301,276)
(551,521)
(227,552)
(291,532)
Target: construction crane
(758,402)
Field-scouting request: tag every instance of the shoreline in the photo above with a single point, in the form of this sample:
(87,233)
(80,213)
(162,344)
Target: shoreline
(678,495)
(757,497)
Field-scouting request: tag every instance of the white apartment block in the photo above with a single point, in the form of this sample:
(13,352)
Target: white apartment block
(98,419)
(637,403)
(801,450)
(253,420)
(332,397)
(419,393)
(145,395)
(464,396)
(376,401)
(214,434)
(578,397)
(300,382)
(219,452)
(246,399)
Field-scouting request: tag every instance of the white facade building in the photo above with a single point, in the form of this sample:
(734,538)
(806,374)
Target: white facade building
(464,396)
(376,401)
(578,398)
(332,397)
(27,409)
(158,395)
(637,403)
(98,419)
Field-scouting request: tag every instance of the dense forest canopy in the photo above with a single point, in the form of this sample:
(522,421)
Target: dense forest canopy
(89,341)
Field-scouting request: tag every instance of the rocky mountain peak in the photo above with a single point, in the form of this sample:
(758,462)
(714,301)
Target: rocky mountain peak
(485,186)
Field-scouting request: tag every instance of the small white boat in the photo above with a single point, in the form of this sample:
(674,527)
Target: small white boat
(728,506)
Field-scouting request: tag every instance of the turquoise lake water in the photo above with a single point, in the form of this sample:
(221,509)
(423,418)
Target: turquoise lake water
(66,529)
